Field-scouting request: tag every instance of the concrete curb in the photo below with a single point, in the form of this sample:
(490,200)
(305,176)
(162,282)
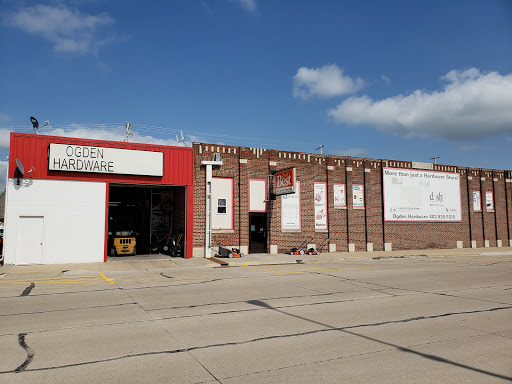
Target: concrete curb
(147,263)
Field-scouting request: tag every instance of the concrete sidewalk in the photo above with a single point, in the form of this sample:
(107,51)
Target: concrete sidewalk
(262,259)
(158,262)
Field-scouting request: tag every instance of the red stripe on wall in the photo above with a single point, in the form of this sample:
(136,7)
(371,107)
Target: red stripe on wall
(107,185)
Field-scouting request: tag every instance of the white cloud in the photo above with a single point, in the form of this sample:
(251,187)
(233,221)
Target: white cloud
(110,135)
(385,79)
(5,138)
(327,81)
(248,5)
(470,147)
(472,105)
(353,152)
(67,29)
(4,118)
(4,164)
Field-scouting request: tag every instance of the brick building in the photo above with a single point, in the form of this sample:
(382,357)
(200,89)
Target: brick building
(355,214)
(72,200)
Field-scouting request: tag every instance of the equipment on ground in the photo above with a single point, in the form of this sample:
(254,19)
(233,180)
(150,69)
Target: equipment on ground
(123,241)
(312,251)
(300,249)
(174,244)
(225,252)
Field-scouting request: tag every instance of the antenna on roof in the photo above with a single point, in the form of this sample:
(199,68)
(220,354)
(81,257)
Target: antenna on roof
(35,124)
(320,148)
(182,140)
(435,159)
(129,133)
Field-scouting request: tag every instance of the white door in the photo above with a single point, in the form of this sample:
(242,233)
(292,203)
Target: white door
(30,240)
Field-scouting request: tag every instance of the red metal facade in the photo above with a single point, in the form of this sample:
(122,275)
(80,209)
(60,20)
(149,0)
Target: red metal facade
(32,150)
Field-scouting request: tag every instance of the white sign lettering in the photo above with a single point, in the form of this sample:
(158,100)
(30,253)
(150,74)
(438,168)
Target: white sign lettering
(80,158)
(285,181)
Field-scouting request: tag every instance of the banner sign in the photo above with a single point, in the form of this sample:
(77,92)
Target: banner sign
(320,194)
(413,195)
(489,201)
(339,196)
(358,195)
(477,201)
(285,181)
(290,210)
(81,158)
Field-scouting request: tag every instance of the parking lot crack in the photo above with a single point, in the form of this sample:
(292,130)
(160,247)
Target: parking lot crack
(30,353)
(28,289)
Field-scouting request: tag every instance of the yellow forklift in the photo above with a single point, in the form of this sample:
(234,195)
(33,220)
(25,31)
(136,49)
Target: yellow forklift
(122,237)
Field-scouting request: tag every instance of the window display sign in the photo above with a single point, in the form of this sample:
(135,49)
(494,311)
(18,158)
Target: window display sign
(415,195)
(339,196)
(320,196)
(358,195)
(285,181)
(489,201)
(290,210)
(477,201)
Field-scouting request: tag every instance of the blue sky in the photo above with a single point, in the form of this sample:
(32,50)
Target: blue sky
(401,80)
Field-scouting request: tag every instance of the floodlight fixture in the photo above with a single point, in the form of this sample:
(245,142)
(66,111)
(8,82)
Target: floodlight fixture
(182,140)
(35,124)
(129,132)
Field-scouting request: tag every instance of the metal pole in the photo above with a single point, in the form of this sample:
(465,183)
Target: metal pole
(208,233)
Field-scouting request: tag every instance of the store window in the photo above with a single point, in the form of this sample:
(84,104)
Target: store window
(221,206)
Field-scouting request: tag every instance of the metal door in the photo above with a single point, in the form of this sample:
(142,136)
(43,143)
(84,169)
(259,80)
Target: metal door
(30,240)
(257,232)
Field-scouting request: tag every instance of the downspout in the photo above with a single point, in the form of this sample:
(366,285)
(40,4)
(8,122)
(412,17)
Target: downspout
(495,207)
(239,200)
(365,193)
(470,201)
(483,205)
(208,227)
(382,202)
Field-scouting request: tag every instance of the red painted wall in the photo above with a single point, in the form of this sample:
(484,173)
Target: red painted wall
(32,150)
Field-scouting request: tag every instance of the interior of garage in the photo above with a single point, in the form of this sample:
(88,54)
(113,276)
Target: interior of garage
(145,220)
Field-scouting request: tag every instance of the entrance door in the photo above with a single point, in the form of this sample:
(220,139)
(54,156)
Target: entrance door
(257,233)
(30,240)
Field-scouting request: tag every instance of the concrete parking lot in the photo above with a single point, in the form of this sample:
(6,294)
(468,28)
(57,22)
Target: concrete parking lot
(420,318)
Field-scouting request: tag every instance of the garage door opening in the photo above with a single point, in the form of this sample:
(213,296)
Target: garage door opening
(146,220)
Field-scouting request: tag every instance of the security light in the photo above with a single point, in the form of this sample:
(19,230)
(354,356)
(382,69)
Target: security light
(35,123)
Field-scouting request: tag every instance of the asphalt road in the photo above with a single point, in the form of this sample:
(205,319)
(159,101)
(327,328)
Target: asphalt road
(417,320)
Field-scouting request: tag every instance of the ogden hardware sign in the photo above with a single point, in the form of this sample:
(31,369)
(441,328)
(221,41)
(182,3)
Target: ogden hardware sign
(81,158)
(285,181)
